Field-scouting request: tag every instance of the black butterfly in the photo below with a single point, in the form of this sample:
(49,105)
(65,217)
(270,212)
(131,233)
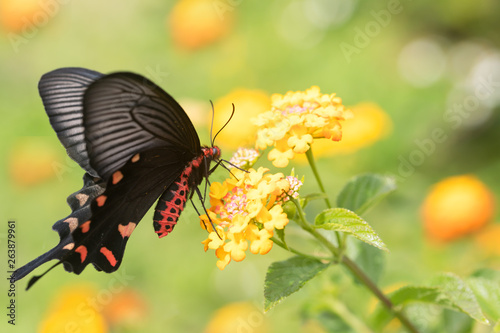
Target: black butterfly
(136,144)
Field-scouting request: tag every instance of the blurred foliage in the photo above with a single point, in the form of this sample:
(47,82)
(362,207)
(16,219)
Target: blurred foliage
(273,46)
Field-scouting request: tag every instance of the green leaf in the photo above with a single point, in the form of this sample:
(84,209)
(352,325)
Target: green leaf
(283,278)
(340,219)
(281,236)
(487,293)
(364,191)
(410,294)
(459,295)
(448,291)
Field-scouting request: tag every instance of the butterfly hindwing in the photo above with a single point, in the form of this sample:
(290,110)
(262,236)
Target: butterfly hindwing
(80,203)
(129,193)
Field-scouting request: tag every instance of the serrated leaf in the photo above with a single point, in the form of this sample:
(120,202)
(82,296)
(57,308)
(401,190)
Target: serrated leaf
(460,296)
(447,291)
(487,293)
(341,219)
(283,278)
(364,191)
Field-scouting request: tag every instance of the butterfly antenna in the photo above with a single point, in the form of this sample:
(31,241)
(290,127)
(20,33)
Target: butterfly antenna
(212,124)
(37,277)
(227,122)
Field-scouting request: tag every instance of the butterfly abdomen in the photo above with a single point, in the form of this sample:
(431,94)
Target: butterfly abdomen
(172,201)
(170,206)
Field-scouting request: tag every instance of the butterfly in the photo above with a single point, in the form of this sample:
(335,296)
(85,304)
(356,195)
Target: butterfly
(136,144)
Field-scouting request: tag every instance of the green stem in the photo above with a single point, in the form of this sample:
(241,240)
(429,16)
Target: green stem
(280,244)
(302,222)
(312,163)
(354,268)
(361,276)
(340,309)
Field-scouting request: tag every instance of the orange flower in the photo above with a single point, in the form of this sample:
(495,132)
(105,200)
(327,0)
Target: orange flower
(33,161)
(196,23)
(71,310)
(488,239)
(370,124)
(126,307)
(238,317)
(457,206)
(16,15)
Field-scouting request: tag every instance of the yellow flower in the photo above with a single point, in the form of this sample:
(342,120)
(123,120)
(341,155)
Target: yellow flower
(295,120)
(370,124)
(67,311)
(239,131)
(238,317)
(300,144)
(247,213)
(33,161)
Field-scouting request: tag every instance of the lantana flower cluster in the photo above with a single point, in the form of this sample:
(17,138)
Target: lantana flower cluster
(245,210)
(295,120)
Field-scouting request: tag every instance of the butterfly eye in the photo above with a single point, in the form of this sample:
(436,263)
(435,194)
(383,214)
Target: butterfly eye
(216,152)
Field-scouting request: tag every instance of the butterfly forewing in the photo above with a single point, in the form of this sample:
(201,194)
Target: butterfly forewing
(126,113)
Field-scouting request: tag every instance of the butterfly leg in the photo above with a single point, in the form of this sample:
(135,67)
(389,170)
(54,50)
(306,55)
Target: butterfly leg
(204,209)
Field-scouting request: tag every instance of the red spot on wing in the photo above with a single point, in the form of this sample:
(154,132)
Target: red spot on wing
(109,256)
(117,176)
(101,200)
(135,158)
(126,230)
(83,252)
(85,226)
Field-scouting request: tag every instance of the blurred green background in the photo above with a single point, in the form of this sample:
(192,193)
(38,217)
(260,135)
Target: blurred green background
(416,59)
